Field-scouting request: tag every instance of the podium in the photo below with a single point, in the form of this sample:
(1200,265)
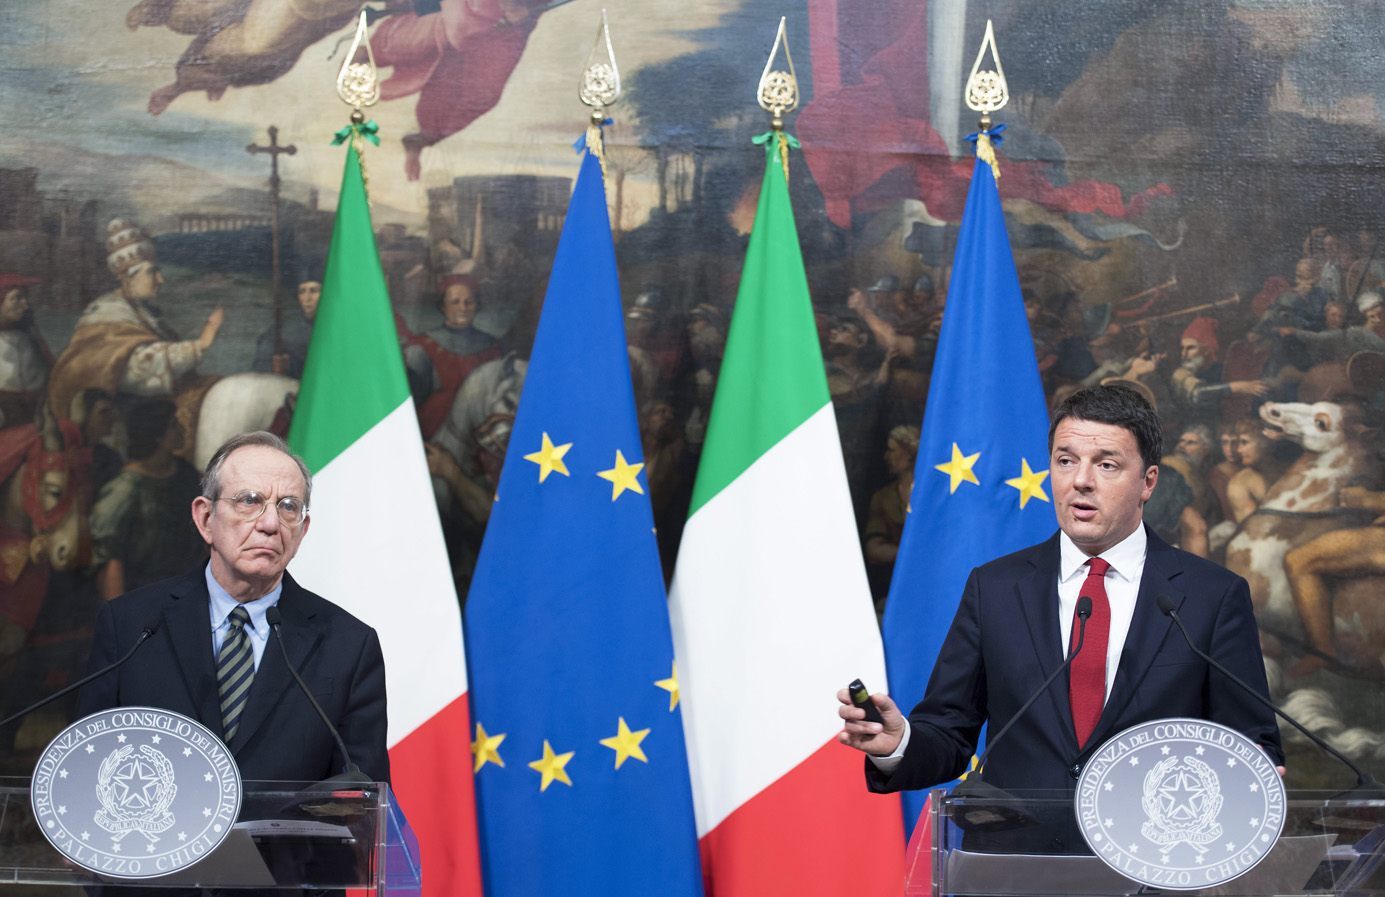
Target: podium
(1031,846)
(287,836)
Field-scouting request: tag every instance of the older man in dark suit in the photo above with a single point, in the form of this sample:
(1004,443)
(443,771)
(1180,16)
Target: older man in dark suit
(1017,615)
(212,657)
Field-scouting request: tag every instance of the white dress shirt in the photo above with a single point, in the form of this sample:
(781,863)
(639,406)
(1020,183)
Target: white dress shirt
(1127,560)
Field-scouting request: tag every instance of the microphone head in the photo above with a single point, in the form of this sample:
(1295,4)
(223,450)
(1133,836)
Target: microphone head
(151,625)
(272,615)
(1084,607)
(1166,605)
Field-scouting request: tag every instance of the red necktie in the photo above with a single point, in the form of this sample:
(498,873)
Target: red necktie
(1087,676)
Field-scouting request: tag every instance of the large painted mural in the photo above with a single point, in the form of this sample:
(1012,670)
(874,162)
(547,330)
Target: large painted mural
(1193,190)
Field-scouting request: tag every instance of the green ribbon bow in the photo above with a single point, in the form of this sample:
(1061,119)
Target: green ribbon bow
(370,131)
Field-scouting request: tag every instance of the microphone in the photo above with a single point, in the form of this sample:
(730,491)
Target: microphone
(1365,782)
(973,786)
(151,626)
(351,779)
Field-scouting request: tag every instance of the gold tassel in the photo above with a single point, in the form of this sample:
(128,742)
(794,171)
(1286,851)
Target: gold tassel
(358,144)
(986,153)
(596,145)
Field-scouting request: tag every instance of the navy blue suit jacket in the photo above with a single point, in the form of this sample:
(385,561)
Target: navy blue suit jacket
(1005,640)
(280,736)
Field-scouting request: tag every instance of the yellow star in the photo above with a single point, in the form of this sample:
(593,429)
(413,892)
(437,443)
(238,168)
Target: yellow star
(623,476)
(626,743)
(670,685)
(484,747)
(552,766)
(550,458)
(1029,483)
(959,468)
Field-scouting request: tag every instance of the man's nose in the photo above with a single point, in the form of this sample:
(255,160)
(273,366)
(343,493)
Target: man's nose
(268,521)
(1084,477)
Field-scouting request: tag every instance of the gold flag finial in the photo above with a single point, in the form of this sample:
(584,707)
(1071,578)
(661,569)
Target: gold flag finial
(778,92)
(600,87)
(987,92)
(358,83)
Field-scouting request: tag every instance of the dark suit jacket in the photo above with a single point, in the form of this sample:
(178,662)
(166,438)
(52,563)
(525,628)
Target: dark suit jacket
(1005,640)
(280,736)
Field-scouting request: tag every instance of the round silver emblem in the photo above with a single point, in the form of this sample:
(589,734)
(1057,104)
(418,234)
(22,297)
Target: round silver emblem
(136,792)
(1180,804)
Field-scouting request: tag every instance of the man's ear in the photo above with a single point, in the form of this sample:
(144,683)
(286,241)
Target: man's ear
(202,509)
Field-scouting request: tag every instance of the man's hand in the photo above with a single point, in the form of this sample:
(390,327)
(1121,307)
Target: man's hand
(210,328)
(1144,364)
(1250,387)
(856,301)
(873,738)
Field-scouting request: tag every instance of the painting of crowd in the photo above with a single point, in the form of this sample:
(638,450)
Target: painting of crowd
(139,328)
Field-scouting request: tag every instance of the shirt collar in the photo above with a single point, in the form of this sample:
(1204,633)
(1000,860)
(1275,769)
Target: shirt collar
(1126,557)
(222,604)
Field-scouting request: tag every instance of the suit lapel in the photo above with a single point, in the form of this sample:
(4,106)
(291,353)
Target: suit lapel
(1148,630)
(1038,597)
(273,679)
(189,626)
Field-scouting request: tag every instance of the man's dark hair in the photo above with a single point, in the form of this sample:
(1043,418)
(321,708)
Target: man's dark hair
(1119,406)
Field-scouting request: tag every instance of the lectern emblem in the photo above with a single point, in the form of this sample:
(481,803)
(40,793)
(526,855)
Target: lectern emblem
(1180,804)
(136,792)
(1182,799)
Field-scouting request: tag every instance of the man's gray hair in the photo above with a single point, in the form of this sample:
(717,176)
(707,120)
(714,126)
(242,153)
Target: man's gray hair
(211,480)
(1201,431)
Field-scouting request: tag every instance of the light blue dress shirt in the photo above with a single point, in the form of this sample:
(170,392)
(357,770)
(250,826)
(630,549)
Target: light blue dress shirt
(221,606)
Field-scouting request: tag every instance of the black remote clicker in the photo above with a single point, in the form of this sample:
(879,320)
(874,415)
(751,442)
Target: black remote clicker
(860,696)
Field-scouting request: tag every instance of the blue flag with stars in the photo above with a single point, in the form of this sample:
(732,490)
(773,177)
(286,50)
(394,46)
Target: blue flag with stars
(582,783)
(981,480)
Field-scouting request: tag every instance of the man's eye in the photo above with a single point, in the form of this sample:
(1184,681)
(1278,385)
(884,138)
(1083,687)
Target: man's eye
(249,499)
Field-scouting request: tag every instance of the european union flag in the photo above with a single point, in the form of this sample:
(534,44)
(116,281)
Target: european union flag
(582,780)
(980,487)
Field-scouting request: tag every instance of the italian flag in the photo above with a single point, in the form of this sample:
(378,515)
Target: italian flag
(375,546)
(770,607)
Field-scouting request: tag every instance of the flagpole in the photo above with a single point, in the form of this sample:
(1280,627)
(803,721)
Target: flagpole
(978,479)
(770,594)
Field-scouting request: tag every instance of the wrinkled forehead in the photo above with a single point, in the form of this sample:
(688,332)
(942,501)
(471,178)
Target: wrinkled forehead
(262,469)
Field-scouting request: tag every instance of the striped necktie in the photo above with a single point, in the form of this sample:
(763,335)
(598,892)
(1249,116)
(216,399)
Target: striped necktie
(235,669)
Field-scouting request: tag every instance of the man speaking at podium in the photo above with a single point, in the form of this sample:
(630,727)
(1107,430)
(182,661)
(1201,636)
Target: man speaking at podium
(211,656)
(1018,614)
